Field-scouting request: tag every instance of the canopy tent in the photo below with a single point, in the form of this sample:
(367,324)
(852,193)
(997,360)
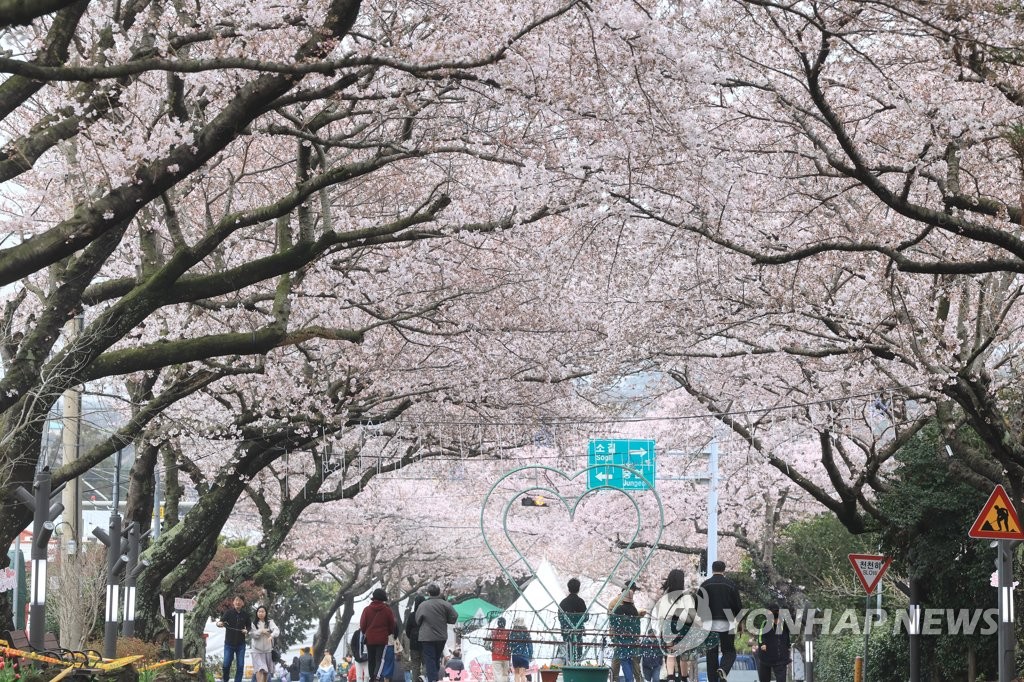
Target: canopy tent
(476,609)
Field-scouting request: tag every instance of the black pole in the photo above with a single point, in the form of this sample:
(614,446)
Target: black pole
(43,516)
(914,626)
(113,561)
(809,645)
(179,634)
(130,575)
(112,539)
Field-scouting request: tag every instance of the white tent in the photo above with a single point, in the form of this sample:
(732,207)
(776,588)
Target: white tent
(538,603)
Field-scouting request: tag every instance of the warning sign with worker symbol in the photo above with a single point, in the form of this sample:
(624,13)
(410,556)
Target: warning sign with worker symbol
(998,519)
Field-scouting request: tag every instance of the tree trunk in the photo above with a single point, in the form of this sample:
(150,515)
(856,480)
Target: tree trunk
(150,624)
(141,486)
(221,588)
(341,625)
(323,626)
(172,489)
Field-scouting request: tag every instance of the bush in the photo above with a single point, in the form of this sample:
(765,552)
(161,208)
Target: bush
(132,646)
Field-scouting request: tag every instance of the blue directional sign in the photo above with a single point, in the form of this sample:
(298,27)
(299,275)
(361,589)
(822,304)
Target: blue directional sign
(635,454)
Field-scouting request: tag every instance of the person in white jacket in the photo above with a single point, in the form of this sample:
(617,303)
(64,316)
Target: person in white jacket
(262,634)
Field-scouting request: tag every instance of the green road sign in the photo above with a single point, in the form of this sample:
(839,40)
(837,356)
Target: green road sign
(634,454)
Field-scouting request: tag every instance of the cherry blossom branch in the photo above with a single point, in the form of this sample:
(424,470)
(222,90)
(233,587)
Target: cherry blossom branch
(154,178)
(21,12)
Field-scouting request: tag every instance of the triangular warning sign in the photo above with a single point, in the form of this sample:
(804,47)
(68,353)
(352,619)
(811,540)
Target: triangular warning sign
(870,568)
(998,519)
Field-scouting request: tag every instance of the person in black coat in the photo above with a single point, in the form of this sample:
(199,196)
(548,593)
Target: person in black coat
(773,648)
(718,604)
(572,614)
(236,623)
(412,631)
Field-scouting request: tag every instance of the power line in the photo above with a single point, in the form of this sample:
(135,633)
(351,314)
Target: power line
(572,421)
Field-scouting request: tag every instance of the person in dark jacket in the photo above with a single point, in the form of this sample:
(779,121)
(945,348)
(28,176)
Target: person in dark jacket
(357,647)
(773,647)
(293,669)
(307,665)
(572,614)
(433,617)
(624,626)
(377,623)
(719,606)
(236,623)
(412,631)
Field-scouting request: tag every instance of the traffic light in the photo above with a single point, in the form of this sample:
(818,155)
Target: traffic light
(534,501)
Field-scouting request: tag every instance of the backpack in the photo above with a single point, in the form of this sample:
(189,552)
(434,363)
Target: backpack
(357,647)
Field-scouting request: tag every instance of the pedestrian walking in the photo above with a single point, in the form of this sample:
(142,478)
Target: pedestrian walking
(520,647)
(434,616)
(263,633)
(325,671)
(773,648)
(412,631)
(674,615)
(624,626)
(236,623)
(376,623)
(357,647)
(719,606)
(307,666)
(500,656)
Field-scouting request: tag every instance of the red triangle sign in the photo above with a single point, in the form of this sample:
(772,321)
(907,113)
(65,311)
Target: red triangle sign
(870,568)
(998,519)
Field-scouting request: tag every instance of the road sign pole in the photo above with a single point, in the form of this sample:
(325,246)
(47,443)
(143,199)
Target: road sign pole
(1004,566)
(712,502)
(867,634)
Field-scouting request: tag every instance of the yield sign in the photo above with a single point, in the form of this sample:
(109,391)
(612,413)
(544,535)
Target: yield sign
(870,568)
(998,519)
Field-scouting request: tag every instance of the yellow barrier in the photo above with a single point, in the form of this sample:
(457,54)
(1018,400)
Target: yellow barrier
(93,662)
(858,669)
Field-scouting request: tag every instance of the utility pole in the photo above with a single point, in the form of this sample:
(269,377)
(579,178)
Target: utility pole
(71,441)
(43,516)
(711,476)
